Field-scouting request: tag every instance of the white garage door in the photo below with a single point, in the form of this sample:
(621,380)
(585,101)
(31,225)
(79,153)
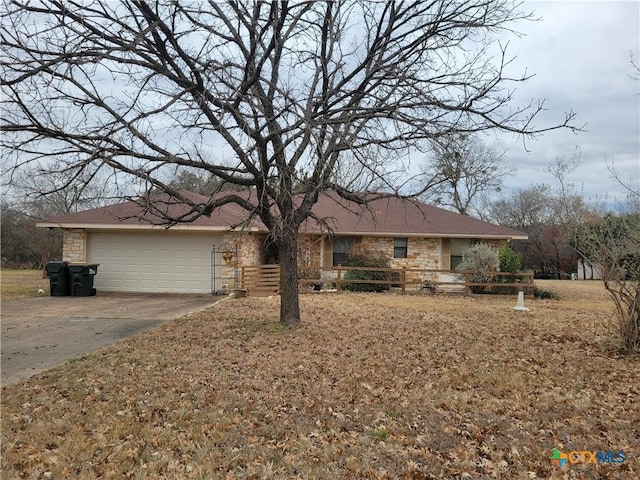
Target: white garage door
(160,261)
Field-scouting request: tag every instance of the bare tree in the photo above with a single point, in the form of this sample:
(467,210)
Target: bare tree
(461,170)
(568,211)
(32,194)
(550,216)
(613,242)
(635,68)
(292,93)
(522,209)
(55,190)
(631,186)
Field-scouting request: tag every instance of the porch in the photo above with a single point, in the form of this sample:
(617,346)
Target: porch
(261,280)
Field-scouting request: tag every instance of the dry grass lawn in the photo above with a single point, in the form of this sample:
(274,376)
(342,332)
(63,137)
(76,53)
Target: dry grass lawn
(16,284)
(371,386)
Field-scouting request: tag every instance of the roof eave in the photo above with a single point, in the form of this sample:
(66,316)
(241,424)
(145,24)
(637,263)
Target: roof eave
(212,228)
(487,236)
(143,226)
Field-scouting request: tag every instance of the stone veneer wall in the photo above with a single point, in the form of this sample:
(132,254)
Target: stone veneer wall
(249,254)
(421,253)
(250,247)
(309,250)
(495,244)
(74,243)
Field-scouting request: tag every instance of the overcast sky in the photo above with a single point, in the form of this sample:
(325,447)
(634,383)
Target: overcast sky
(580,54)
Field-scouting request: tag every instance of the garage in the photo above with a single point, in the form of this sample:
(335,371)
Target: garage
(152,261)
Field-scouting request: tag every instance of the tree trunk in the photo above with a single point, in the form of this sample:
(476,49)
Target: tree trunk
(289,301)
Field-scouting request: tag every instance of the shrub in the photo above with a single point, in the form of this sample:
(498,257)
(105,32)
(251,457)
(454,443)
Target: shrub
(540,293)
(364,256)
(480,259)
(510,261)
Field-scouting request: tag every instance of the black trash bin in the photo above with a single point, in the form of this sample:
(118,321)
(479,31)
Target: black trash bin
(82,279)
(58,273)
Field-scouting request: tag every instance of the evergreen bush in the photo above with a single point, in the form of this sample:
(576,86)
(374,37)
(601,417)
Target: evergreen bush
(510,261)
(364,256)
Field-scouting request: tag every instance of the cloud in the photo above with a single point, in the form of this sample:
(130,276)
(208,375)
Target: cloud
(580,54)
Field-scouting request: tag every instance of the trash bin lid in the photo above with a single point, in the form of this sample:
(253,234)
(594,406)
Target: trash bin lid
(55,266)
(90,268)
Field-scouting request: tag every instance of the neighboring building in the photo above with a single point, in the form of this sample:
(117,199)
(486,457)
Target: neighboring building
(589,271)
(137,254)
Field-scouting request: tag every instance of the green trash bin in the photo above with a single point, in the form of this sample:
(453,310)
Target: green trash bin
(81,275)
(59,284)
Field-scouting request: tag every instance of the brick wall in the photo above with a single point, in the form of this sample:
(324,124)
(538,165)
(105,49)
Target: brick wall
(74,243)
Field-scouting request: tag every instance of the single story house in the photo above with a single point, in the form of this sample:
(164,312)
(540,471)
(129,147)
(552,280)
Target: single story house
(136,254)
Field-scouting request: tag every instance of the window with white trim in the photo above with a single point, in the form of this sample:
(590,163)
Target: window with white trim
(400,247)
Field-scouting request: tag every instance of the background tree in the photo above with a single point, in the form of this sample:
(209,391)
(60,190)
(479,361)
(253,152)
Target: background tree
(461,169)
(630,185)
(31,195)
(16,233)
(550,216)
(527,210)
(293,94)
(195,181)
(568,211)
(22,244)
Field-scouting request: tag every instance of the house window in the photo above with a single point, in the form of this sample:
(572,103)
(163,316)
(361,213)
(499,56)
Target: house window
(400,247)
(458,246)
(342,248)
(455,261)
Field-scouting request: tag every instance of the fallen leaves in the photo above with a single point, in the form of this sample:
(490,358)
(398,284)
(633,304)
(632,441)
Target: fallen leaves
(371,386)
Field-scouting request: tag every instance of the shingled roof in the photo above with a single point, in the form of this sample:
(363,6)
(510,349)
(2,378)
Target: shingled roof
(135,215)
(380,217)
(393,216)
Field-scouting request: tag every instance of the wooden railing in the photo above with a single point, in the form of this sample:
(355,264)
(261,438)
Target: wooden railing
(499,281)
(265,280)
(260,280)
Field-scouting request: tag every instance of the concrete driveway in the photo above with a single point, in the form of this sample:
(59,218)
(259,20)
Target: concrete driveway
(41,333)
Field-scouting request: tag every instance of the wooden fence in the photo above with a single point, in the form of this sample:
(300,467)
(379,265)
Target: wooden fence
(260,280)
(265,280)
